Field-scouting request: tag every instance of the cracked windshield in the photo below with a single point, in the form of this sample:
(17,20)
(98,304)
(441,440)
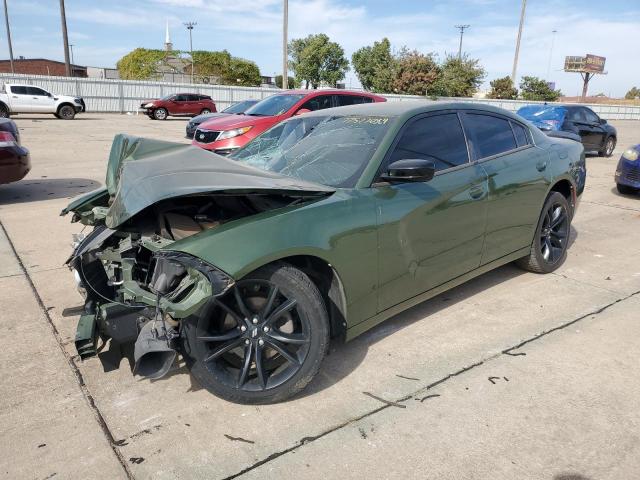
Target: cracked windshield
(331,150)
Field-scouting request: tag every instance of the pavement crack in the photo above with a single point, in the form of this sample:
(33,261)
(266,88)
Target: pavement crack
(434,395)
(70,361)
(619,207)
(408,378)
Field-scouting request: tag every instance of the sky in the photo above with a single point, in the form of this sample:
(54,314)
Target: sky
(102,31)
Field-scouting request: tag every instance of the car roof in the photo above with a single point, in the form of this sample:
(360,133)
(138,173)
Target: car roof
(327,91)
(409,108)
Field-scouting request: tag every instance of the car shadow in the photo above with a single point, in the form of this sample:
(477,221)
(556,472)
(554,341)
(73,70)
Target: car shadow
(615,191)
(38,189)
(52,117)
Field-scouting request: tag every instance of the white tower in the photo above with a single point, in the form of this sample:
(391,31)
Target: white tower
(168,46)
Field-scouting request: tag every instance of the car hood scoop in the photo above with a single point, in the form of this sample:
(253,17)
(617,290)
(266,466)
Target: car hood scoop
(142,172)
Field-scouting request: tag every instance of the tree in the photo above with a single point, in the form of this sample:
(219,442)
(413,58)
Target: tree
(141,63)
(459,77)
(503,88)
(633,94)
(316,59)
(242,72)
(291,82)
(212,64)
(375,66)
(414,72)
(534,88)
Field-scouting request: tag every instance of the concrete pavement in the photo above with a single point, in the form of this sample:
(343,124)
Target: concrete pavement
(545,418)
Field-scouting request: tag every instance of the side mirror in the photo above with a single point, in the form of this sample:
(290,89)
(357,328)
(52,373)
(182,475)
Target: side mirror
(602,121)
(302,111)
(410,170)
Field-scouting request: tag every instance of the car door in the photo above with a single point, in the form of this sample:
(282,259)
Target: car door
(175,105)
(596,131)
(430,232)
(192,105)
(518,177)
(578,119)
(41,100)
(20,99)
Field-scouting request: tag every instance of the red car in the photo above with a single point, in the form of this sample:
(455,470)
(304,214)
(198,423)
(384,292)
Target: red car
(15,162)
(178,105)
(226,134)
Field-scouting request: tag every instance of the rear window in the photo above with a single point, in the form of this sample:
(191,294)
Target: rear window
(344,100)
(489,135)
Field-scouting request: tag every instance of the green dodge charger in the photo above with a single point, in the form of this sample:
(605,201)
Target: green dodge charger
(320,228)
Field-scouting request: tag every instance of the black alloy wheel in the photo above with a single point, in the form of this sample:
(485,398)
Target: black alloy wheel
(549,248)
(66,112)
(262,341)
(4,112)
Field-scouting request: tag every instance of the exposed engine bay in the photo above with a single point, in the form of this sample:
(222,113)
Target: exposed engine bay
(138,291)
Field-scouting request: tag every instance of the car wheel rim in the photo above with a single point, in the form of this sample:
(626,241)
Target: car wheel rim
(160,115)
(554,233)
(255,338)
(610,146)
(65,112)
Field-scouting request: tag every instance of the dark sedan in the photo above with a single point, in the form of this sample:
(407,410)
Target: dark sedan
(595,133)
(15,162)
(235,109)
(628,171)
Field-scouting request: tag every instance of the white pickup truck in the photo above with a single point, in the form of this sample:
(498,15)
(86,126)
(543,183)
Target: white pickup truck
(30,99)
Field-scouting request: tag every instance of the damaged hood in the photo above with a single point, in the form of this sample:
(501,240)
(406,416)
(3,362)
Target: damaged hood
(142,172)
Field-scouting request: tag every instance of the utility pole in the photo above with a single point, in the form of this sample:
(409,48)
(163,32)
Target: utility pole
(285,53)
(515,58)
(462,28)
(65,39)
(190,26)
(553,39)
(71,48)
(6,19)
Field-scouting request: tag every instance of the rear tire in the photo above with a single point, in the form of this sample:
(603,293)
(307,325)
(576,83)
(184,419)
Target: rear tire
(4,112)
(626,190)
(66,112)
(608,147)
(550,242)
(246,348)
(160,114)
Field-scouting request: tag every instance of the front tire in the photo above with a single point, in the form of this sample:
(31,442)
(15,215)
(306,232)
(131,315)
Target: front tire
(263,341)
(160,114)
(66,112)
(608,147)
(626,190)
(549,248)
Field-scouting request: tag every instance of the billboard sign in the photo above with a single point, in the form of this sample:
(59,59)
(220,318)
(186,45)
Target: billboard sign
(587,64)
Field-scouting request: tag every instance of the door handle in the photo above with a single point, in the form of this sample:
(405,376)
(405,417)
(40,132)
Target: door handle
(541,166)
(476,192)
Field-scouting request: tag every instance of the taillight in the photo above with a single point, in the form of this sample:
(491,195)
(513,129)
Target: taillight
(7,140)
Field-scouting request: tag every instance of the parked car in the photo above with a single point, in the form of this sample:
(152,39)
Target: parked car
(628,171)
(15,161)
(324,226)
(235,109)
(595,133)
(30,99)
(178,105)
(224,135)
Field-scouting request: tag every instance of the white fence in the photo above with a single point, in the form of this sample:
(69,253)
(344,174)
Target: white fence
(104,95)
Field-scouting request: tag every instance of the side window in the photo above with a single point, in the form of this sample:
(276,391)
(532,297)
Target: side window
(590,116)
(522,138)
(180,98)
(318,103)
(344,100)
(36,91)
(576,115)
(18,90)
(438,138)
(489,135)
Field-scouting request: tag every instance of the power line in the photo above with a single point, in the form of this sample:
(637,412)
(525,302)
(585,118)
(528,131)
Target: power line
(462,28)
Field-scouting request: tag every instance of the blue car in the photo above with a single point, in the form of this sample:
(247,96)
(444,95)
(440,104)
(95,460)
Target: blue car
(595,133)
(628,171)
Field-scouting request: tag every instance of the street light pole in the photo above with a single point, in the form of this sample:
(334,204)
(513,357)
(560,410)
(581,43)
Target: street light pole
(462,28)
(285,53)
(553,39)
(515,58)
(65,39)
(190,26)
(6,19)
